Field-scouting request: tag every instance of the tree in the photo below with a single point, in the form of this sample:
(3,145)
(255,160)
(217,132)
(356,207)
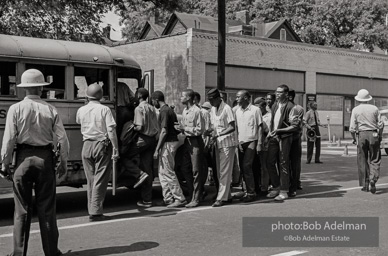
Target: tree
(62,19)
(339,23)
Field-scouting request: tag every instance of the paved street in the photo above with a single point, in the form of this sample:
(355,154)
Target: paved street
(330,190)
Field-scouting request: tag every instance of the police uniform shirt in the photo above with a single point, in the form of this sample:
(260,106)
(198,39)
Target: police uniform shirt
(220,120)
(145,116)
(33,121)
(248,122)
(365,117)
(95,120)
(310,119)
(192,121)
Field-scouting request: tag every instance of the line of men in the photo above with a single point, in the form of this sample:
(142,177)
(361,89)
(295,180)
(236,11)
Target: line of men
(271,131)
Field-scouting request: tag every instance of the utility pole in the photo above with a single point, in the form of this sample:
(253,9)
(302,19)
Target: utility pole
(221,46)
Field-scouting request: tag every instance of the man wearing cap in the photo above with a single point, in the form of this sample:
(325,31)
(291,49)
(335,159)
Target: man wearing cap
(193,126)
(98,129)
(223,127)
(209,152)
(146,124)
(32,124)
(249,127)
(366,124)
(312,122)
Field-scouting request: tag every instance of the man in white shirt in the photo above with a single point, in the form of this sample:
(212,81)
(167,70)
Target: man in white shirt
(365,122)
(32,124)
(249,128)
(98,129)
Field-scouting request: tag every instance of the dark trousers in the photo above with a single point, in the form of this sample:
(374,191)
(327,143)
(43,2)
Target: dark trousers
(35,168)
(279,154)
(246,157)
(97,162)
(256,170)
(209,160)
(144,147)
(183,166)
(295,159)
(310,146)
(368,157)
(194,177)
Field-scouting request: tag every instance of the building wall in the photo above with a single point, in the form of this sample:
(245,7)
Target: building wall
(344,71)
(167,56)
(181,62)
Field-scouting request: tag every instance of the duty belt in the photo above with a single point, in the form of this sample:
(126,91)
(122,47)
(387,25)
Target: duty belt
(26,146)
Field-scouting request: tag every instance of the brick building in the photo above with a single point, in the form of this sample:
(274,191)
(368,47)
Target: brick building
(259,58)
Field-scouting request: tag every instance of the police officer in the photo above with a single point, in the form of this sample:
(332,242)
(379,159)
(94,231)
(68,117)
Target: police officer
(32,124)
(312,122)
(366,122)
(100,146)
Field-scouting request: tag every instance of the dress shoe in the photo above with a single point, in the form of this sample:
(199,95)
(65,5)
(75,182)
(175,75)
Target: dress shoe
(372,186)
(318,162)
(300,187)
(144,204)
(100,217)
(273,193)
(307,162)
(281,197)
(192,204)
(217,203)
(248,198)
(140,180)
(177,204)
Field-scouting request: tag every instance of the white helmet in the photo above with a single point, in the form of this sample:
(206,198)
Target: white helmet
(32,78)
(363,95)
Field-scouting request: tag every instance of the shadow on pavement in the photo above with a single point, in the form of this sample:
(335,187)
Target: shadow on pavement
(135,247)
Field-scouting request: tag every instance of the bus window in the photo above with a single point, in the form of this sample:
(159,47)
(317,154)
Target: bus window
(83,77)
(7,79)
(54,75)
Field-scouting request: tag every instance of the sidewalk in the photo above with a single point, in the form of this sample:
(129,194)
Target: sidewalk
(334,145)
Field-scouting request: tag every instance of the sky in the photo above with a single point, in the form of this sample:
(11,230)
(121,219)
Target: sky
(113,19)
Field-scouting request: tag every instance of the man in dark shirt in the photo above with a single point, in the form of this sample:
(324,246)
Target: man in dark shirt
(166,148)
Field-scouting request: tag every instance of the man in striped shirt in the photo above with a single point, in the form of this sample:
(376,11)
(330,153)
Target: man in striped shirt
(223,126)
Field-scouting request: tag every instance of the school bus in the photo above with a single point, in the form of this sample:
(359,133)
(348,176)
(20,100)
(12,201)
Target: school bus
(70,67)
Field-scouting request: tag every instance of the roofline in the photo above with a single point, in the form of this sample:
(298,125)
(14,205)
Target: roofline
(278,24)
(144,30)
(301,44)
(110,51)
